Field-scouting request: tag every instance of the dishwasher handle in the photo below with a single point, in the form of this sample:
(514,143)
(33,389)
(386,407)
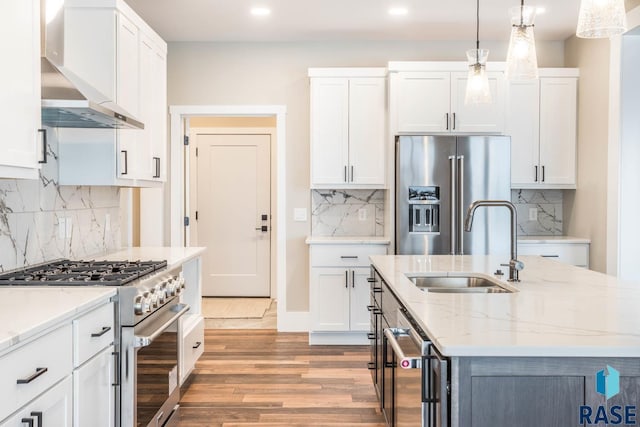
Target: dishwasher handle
(406,362)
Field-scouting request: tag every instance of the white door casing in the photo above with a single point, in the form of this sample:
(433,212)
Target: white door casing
(233,192)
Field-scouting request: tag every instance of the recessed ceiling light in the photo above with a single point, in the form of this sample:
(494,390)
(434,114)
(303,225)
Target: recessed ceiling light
(398,11)
(540,10)
(260,11)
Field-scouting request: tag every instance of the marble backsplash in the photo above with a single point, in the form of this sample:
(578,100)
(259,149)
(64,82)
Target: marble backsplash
(347,212)
(41,220)
(548,204)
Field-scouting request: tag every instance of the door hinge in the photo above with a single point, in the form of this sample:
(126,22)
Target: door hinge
(186,221)
(196,151)
(186,140)
(196,215)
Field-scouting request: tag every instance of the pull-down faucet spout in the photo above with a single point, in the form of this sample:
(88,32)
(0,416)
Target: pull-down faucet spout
(514,265)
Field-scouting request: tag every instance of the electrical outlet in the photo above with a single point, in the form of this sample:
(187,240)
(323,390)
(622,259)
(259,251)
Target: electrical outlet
(62,228)
(362,214)
(107,222)
(68,227)
(533,214)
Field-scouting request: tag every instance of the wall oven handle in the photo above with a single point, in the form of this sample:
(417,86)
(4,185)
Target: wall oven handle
(143,341)
(405,362)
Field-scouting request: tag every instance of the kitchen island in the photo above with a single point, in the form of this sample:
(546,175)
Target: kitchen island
(530,357)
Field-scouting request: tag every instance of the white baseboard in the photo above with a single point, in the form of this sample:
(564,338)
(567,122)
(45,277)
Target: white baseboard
(293,321)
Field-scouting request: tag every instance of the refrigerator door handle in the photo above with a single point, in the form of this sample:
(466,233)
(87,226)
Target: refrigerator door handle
(454,202)
(461,210)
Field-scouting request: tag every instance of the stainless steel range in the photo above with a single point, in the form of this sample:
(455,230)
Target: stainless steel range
(146,338)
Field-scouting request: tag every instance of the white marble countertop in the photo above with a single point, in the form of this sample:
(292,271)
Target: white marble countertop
(347,240)
(175,256)
(27,311)
(551,239)
(559,310)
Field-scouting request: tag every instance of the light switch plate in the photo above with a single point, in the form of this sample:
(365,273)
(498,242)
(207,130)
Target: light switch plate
(362,214)
(300,214)
(533,214)
(62,228)
(68,227)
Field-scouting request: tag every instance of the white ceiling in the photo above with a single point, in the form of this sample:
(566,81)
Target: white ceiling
(347,20)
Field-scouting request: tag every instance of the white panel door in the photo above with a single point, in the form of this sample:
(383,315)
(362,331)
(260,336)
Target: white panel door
(558,104)
(423,101)
(20,88)
(233,196)
(93,400)
(483,118)
(330,299)
(329,130)
(367,124)
(523,124)
(52,408)
(360,299)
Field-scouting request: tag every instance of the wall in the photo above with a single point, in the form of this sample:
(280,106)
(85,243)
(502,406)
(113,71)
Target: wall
(585,210)
(31,213)
(276,74)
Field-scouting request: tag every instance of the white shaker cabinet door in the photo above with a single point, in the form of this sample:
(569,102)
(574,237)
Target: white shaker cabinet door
(21,143)
(423,101)
(481,118)
(93,400)
(367,124)
(330,299)
(558,113)
(523,125)
(329,130)
(360,299)
(52,408)
(128,66)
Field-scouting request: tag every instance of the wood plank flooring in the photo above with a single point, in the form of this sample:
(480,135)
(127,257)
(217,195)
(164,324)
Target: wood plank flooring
(265,378)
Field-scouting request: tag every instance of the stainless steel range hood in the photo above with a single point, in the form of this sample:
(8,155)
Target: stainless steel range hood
(69,101)
(64,106)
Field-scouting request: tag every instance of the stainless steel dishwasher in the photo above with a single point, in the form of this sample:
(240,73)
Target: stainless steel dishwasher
(419,385)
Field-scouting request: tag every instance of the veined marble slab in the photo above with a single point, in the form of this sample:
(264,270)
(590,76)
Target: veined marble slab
(347,240)
(558,311)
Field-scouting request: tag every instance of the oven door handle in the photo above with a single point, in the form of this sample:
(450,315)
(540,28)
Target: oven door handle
(406,362)
(144,341)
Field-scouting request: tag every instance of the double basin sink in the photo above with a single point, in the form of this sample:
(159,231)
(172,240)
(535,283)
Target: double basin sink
(459,284)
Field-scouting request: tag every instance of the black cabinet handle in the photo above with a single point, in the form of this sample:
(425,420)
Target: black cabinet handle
(349,256)
(198,344)
(371,279)
(377,290)
(536,170)
(156,161)
(454,121)
(377,311)
(371,336)
(104,330)
(371,366)
(447,119)
(542,173)
(44,145)
(39,371)
(126,166)
(116,368)
(38,416)
(370,307)
(27,421)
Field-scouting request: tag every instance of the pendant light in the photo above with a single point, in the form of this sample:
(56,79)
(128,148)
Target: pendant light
(478,91)
(522,61)
(601,18)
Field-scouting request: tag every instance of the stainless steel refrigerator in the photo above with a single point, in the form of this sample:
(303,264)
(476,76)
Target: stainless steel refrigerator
(437,178)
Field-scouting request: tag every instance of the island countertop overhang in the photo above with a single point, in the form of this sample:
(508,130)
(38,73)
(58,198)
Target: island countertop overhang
(558,311)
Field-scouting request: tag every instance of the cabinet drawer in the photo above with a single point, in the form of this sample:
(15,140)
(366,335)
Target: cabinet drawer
(193,347)
(93,332)
(344,255)
(570,253)
(37,365)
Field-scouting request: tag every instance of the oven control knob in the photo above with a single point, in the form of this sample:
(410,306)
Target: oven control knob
(154,299)
(138,305)
(146,302)
(182,282)
(171,288)
(162,293)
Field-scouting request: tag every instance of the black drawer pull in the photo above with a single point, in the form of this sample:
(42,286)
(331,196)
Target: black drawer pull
(39,371)
(377,311)
(389,365)
(349,257)
(104,330)
(550,256)
(377,290)
(370,307)
(371,279)
(198,344)
(371,366)
(38,416)
(371,336)
(27,421)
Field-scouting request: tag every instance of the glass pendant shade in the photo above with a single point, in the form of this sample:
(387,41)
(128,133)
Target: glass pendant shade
(478,91)
(601,18)
(522,60)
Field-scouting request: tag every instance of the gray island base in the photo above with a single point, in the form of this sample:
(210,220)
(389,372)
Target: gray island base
(561,349)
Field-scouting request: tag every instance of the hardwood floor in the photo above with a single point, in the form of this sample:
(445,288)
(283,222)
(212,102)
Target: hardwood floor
(265,378)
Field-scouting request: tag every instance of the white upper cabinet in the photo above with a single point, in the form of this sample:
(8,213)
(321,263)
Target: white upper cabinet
(542,120)
(21,145)
(134,78)
(432,101)
(348,128)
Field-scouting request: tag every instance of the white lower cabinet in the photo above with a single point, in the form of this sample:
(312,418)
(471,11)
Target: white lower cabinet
(93,398)
(192,348)
(569,253)
(53,408)
(339,293)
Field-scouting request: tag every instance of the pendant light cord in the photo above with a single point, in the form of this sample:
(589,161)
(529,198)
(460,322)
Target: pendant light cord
(478,24)
(522,13)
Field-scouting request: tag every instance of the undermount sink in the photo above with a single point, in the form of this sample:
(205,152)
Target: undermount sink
(458,284)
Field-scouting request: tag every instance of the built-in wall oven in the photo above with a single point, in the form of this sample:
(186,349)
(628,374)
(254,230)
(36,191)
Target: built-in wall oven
(416,377)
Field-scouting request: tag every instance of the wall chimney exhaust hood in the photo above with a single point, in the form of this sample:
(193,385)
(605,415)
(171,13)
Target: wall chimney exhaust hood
(69,100)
